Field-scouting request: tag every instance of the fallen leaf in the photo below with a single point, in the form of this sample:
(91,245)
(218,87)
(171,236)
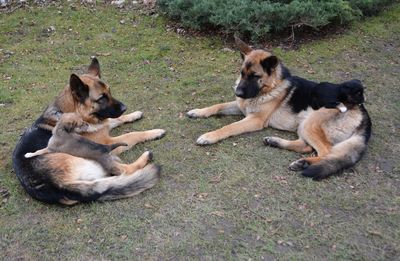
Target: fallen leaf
(148,205)
(218,213)
(103,54)
(201,196)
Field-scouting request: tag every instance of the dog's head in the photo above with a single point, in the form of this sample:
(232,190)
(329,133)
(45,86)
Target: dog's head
(92,97)
(261,72)
(351,92)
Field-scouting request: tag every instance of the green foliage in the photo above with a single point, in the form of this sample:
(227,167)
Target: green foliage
(256,18)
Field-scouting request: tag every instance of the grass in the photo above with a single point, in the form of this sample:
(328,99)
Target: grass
(232,200)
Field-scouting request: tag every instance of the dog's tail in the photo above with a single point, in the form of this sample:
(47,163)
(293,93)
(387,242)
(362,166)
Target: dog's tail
(115,187)
(116,145)
(344,155)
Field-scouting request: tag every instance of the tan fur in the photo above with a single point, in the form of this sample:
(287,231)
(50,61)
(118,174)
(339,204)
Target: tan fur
(257,111)
(334,135)
(87,176)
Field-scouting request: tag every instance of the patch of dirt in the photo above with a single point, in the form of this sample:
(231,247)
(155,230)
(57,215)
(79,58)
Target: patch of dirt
(4,195)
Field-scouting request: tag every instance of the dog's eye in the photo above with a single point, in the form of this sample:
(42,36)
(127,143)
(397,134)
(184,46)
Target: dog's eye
(253,76)
(103,98)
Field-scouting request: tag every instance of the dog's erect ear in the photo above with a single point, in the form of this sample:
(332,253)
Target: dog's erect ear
(79,90)
(94,68)
(270,63)
(243,47)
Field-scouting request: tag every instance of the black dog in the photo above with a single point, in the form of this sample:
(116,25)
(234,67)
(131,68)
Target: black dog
(343,96)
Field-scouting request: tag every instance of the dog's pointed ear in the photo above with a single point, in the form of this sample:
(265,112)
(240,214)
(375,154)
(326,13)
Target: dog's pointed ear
(243,47)
(94,68)
(79,90)
(269,64)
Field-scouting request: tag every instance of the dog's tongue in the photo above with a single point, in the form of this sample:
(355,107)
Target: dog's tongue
(342,108)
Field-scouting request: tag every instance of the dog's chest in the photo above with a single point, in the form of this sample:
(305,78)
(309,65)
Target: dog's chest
(284,119)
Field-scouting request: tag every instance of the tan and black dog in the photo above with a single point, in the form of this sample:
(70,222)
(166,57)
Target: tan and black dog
(66,179)
(269,96)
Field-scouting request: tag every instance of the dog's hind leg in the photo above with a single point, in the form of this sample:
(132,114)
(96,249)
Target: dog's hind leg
(228,108)
(303,163)
(298,145)
(134,138)
(140,163)
(316,138)
(131,117)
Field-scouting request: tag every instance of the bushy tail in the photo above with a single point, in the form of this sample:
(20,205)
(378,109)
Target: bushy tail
(327,167)
(115,187)
(344,155)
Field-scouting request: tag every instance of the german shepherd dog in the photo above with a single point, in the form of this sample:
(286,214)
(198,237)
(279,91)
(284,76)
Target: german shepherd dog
(67,179)
(267,95)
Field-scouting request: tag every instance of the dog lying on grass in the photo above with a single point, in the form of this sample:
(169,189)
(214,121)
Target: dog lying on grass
(267,95)
(67,179)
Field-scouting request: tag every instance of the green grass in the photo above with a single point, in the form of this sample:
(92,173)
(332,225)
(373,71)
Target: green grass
(254,207)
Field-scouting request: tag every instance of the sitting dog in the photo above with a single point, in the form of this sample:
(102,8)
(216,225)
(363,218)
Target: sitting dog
(66,139)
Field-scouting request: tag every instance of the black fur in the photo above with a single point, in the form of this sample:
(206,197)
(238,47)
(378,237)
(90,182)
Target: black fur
(248,88)
(269,64)
(301,93)
(32,173)
(78,88)
(306,93)
(285,73)
(112,109)
(366,126)
(330,95)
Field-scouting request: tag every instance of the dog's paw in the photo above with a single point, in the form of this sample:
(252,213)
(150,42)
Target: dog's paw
(206,139)
(134,116)
(271,141)
(29,155)
(299,165)
(196,113)
(149,155)
(158,134)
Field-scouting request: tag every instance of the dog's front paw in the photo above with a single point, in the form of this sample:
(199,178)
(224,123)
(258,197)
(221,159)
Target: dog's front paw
(134,116)
(149,155)
(271,141)
(206,139)
(299,165)
(29,155)
(196,113)
(158,134)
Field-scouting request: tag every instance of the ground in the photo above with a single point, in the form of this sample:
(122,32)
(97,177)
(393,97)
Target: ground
(232,200)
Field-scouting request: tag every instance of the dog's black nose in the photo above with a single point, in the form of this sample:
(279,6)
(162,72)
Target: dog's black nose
(123,108)
(239,92)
